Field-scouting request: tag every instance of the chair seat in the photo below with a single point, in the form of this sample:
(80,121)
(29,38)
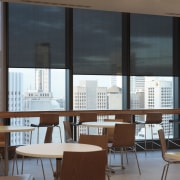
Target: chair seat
(172,156)
(20,177)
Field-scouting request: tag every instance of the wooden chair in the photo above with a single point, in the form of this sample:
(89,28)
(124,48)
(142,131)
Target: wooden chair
(47,119)
(109,132)
(20,177)
(98,140)
(84,165)
(2,145)
(170,157)
(124,139)
(118,118)
(151,119)
(68,132)
(85,117)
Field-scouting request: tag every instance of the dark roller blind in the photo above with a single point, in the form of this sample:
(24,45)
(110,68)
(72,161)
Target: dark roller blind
(97,42)
(151,44)
(36,36)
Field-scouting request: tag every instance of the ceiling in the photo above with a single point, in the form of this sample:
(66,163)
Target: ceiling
(156,7)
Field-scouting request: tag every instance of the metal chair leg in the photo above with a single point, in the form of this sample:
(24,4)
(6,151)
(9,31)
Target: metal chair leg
(42,169)
(15,161)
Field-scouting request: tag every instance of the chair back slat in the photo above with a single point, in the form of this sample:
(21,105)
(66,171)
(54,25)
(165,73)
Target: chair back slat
(98,140)
(109,132)
(124,135)
(49,119)
(124,117)
(87,117)
(84,165)
(153,118)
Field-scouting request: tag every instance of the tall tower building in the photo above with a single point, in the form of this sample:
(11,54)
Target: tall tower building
(115,98)
(42,80)
(15,104)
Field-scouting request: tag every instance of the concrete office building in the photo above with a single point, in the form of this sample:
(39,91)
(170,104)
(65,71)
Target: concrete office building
(152,93)
(159,94)
(114,98)
(88,96)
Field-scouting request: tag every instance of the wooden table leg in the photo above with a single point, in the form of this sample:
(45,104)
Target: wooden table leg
(58,168)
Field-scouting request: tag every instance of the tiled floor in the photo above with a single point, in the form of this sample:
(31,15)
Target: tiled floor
(151,166)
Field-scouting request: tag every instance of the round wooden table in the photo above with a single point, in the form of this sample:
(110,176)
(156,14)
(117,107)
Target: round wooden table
(7,130)
(54,150)
(102,124)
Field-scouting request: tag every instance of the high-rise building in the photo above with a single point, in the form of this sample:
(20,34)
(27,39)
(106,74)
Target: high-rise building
(42,80)
(88,96)
(15,104)
(159,94)
(114,98)
(152,93)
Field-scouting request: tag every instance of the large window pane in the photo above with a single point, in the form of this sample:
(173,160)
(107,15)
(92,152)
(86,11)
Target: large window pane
(152,93)
(35,90)
(96,93)
(36,37)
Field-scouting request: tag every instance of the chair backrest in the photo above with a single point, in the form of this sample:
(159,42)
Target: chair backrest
(124,117)
(98,140)
(124,135)
(110,131)
(68,131)
(49,119)
(84,165)
(87,117)
(162,142)
(153,118)
(48,135)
